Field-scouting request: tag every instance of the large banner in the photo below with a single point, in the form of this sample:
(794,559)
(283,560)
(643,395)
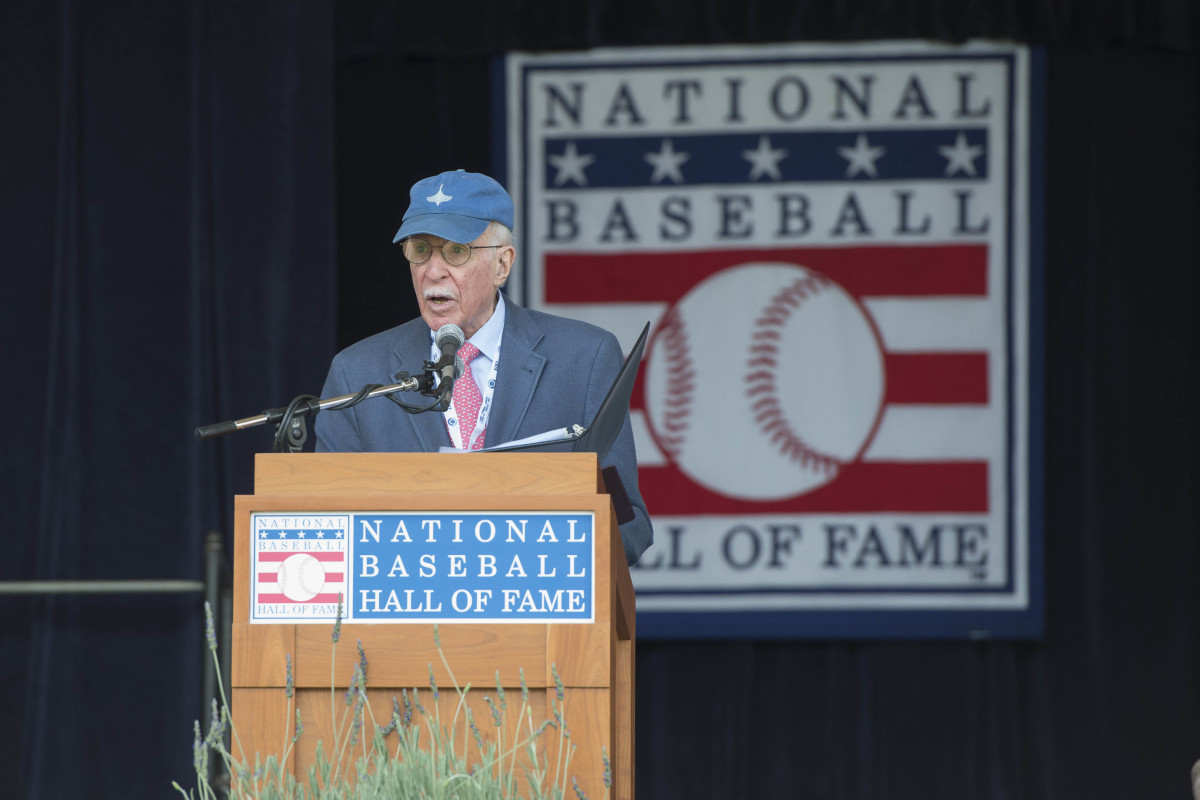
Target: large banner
(837,416)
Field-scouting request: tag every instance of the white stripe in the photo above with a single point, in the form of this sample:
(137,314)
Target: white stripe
(942,324)
(937,433)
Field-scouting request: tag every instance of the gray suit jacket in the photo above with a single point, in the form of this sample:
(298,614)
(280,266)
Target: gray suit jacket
(554,372)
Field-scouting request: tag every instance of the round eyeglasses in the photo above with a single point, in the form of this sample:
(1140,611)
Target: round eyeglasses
(418,251)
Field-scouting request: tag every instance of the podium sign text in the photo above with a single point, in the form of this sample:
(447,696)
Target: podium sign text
(418,566)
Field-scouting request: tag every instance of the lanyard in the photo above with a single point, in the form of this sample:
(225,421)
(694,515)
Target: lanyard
(485,408)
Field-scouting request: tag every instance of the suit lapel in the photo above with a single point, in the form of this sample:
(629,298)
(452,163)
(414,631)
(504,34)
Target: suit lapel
(520,370)
(429,427)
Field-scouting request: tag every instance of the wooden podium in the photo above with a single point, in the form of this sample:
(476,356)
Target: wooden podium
(594,660)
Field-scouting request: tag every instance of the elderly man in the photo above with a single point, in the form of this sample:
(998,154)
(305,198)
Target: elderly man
(530,372)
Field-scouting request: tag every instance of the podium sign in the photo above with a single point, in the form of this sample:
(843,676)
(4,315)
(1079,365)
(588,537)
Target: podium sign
(423,566)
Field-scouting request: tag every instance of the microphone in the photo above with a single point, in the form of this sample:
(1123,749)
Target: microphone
(448,339)
(459,369)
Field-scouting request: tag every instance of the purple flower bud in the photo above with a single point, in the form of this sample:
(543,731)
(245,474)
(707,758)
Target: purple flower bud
(496,718)
(210,631)
(558,684)
(337,625)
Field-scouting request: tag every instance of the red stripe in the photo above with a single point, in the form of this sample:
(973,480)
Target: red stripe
(276,555)
(937,378)
(262,597)
(864,487)
(272,577)
(925,271)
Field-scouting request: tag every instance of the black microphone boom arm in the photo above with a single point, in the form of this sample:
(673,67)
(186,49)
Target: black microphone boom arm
(306,405)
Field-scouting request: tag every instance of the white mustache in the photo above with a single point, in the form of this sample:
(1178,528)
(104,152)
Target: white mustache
(439,293)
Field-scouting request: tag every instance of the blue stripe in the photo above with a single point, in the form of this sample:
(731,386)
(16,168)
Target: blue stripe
(620,161)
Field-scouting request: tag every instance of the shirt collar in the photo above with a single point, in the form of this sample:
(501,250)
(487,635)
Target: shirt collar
(487,338)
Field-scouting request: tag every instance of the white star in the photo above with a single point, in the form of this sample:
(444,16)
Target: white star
(862,157)
(667,163)
(764,160)
(262,535)
(570,165)
(301,534)
(340,534)
(961,156)
(283,534)
(440,197)
(320,534)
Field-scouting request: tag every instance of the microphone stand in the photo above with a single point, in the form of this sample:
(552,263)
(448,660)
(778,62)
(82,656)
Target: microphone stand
(291,429)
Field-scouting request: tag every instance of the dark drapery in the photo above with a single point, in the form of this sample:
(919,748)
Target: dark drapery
(166,202)
(168,178)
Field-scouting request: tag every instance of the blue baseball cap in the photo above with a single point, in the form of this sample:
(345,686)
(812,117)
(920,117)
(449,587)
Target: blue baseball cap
(455,205)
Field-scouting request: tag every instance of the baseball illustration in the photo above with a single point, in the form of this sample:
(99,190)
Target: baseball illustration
(764,380)
(301,577)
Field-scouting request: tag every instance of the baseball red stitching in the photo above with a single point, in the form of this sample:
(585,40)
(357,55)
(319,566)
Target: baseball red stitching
(761,378)
(680,382)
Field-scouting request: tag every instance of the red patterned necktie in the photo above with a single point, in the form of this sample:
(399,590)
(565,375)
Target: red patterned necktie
(467,399)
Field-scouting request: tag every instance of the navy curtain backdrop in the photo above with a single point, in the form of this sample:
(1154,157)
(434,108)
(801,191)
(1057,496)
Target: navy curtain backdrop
(196,204)
(167,203)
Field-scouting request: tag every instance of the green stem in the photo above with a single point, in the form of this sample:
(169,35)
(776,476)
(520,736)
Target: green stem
(333,688)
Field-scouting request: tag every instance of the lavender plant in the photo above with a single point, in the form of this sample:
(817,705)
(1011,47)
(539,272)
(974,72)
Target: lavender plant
(414,755)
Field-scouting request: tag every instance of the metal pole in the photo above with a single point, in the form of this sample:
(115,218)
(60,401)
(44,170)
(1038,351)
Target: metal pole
(101,587)
(212,591)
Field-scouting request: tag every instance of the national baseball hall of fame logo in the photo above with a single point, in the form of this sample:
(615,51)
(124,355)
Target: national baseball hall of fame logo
(298,566)
(835,246)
